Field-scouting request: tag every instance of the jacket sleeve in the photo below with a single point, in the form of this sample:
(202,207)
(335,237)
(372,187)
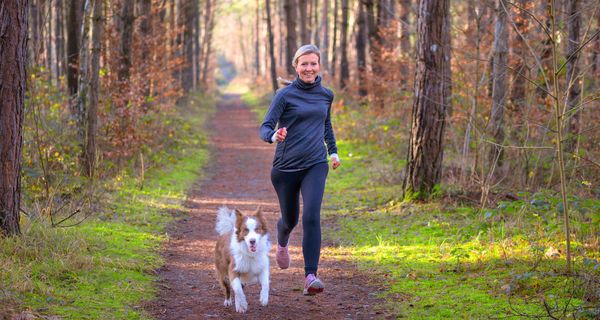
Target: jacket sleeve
(329,136)
(267,129)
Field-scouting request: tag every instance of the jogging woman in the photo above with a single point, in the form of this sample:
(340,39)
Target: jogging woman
(304,138)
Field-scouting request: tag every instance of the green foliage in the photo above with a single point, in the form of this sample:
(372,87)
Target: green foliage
(441,261)
(104,267)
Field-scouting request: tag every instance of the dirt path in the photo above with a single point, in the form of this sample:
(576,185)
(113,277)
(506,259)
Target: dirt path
(239,177)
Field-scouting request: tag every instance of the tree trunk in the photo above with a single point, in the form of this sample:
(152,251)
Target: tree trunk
(573,80)
(35,32)
(315,29)
(304,34)
(127,18)
(447,72)
(92,112)
(81,102)
(344,69)
(404,40)
(145,14)
(425,153)
(271,47)
(520,71)
(13,75)
(190,9)
(499,84)
(374,37)
(291,38)
(325,31)
(59,41)
(208,31)
(257,41)
(335,32)
(74,19)
(361,51)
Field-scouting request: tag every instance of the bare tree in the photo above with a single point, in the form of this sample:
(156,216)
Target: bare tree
(13,75)
(425,151)
(344,69)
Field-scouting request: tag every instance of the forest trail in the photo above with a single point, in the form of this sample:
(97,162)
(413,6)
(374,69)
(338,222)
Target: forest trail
(239,176)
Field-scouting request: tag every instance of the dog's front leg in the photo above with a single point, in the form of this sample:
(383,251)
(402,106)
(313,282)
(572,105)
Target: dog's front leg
(264,286)
(241,305)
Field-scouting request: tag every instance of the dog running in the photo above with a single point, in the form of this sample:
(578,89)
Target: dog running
(241,255)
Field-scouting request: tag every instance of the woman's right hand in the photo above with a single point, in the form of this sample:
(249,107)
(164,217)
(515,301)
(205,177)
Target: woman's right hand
(281,134)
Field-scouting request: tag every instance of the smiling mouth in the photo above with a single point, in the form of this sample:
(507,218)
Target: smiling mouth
(253,248)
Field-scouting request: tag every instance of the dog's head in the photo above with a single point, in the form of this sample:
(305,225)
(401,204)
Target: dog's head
(251,230)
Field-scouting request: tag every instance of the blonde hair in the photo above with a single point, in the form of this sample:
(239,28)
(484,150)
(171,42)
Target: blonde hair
(304,50)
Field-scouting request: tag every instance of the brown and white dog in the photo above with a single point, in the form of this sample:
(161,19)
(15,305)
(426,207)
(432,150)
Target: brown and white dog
(241,255)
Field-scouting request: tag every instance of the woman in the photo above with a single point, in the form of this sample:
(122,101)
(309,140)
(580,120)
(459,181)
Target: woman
(303,111)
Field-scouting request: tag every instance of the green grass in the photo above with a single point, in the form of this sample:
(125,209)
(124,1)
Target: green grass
(105,267)
(442,261)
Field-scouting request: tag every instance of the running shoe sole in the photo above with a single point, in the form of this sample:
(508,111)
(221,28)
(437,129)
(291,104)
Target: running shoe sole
(315,287)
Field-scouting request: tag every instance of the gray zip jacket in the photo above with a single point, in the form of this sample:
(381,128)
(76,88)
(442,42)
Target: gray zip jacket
(305,110)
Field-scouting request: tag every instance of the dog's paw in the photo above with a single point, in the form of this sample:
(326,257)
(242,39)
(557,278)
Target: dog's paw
(227,302)
(264,300)
(241,305)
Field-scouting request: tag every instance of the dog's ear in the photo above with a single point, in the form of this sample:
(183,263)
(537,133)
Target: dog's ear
(239,219)
(262,221)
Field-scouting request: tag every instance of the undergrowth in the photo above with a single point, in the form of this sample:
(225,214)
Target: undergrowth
(448,260)
(103,268)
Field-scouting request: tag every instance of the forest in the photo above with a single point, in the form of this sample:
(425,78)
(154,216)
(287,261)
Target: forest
(468,132)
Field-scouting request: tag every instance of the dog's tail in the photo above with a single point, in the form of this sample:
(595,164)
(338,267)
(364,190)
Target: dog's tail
(225,220)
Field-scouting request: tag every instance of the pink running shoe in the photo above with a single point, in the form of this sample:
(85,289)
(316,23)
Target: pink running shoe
(283,257)
(312,285)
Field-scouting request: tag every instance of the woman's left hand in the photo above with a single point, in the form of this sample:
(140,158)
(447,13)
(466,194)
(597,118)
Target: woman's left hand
(335,161)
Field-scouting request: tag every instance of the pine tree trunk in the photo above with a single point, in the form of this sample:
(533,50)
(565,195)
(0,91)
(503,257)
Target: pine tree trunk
(425,153)
(361,50)
(334,44)
(92,111)
(304,34)
(127,19)
(145,15)
(573,81)
(344,68)
(520,71)
(257,41)
(208,32)
(271,46)
(190,9)
(74,20)
(325,31)
(404,40)
(13,75)
(499,84)
(291,38)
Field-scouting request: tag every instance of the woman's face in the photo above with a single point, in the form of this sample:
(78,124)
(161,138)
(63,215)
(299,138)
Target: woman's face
(308,67)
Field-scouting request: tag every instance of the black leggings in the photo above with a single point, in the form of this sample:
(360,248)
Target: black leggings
(288,185)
